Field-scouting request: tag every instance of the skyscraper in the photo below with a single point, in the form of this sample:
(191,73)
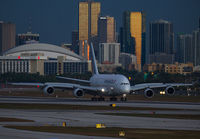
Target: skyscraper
(7,36)
(184,50)
(132,35)
(161,37)
(88,19)
(196,46)
(75,41)
(106,30)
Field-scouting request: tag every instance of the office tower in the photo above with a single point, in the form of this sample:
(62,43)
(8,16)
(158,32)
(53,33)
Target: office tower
(7,36)
(109,53)
(184,50)
(27,38)
(75,41)
(161,39)
(132,35)
(88,19)
(106,30)
(196,47)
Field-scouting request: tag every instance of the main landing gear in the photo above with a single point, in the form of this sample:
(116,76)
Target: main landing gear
(98,99)
(113,99)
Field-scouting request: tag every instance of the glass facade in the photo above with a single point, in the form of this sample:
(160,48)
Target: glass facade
(88,19)
(133,35)
(12,65)
(50,68)
(136,33)
(78,67)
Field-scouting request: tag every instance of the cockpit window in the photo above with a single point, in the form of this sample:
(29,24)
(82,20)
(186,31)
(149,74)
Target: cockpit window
(124,83)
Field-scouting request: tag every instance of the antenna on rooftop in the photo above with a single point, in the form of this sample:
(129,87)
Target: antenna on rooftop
(30,24)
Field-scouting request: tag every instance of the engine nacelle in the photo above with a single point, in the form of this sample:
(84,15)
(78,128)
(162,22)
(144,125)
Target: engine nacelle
(78,93)
(49,90)
(148,93)
(170,90)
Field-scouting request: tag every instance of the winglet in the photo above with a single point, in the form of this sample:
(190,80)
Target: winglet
(94,64)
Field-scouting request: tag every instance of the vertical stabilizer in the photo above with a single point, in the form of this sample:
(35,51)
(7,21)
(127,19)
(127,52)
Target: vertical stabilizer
(94,64)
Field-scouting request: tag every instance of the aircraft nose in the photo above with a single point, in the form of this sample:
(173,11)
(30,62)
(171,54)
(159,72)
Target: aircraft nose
(126,90)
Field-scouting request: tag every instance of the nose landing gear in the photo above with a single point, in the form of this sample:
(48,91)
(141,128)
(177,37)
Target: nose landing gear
(123,99)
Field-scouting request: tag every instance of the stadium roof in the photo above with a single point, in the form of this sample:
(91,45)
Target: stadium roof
(41,47)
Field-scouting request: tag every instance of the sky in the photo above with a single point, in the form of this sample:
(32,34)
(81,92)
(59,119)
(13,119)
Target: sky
(54,20)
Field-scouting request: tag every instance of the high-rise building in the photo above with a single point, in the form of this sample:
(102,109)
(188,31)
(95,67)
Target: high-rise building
(109,53)
(88,19)
(75,41)
(132,35)
(196,47)
(161,39)
(184,50)
(106,30)
(27,38)
(7,36)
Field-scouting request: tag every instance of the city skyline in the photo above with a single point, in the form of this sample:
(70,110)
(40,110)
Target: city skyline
(55,20)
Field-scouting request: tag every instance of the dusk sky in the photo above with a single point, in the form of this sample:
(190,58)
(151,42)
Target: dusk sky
(55,19)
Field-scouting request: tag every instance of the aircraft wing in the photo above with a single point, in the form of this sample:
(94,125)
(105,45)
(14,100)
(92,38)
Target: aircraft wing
(90,89)
(138,87)
(28,84)
(72,79)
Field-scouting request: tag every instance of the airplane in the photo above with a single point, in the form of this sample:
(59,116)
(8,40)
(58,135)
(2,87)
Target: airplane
(102,85)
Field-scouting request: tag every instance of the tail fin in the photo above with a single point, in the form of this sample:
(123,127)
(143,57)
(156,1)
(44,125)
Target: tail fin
(94,64)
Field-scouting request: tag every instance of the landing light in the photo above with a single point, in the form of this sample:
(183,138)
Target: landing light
(162,92)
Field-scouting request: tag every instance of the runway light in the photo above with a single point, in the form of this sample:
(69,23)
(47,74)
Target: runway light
(100,126)
(19,57)
(121,133)
(64,124)
(113,105)
(38,86)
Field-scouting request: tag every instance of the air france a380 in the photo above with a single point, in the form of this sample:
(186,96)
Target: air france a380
(101,85)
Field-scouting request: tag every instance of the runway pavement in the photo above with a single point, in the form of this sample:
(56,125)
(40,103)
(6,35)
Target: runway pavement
(91,118)
(83,101)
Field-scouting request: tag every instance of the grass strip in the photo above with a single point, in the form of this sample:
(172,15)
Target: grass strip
(154,115)
(130,133)
(7,119)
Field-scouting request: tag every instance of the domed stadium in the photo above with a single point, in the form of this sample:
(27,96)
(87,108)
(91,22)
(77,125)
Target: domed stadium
(49,50)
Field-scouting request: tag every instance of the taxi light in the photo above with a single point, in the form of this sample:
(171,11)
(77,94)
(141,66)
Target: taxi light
(103,90)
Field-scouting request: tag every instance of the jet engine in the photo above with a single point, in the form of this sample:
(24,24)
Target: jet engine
(149,93)
(78,92)
(49,90)
(170,90)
